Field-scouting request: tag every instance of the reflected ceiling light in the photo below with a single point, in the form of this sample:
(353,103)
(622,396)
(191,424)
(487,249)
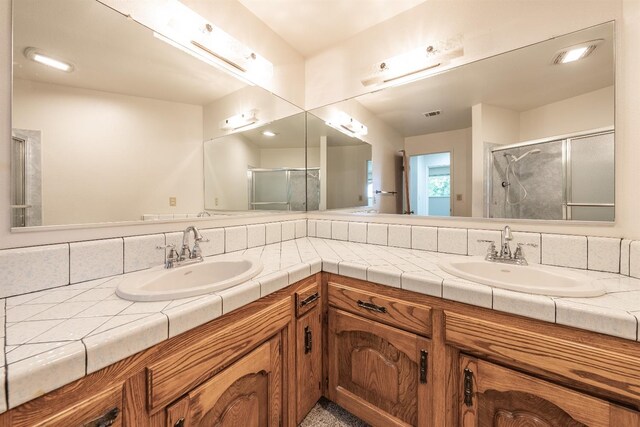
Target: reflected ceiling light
(35,55)
(240,120)
(576,52)
(348,125)
(269,133)
(414,65)
(185,29)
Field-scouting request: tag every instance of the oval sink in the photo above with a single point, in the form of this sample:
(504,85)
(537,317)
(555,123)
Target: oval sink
(159,283)
(532,279)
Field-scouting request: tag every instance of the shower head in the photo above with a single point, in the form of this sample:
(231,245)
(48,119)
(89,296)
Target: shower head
(517,159)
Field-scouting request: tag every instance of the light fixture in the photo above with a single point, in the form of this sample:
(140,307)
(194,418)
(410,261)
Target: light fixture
(415,64)
(576,52)
(185,29)
(37,56)
(269,133)
(240,120)
(347,125)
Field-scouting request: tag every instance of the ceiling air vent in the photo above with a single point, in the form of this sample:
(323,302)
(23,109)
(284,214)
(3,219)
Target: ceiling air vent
(432,113)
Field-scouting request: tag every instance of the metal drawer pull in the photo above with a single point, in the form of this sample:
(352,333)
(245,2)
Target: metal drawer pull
(308,340)
(423,366)
(179,423)
(308,300)
(106,420)
(371,306)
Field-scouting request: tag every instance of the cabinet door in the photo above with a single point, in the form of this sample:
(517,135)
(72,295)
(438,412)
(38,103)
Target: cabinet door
(308,361)
(246,394)
(378,372)
(496,396)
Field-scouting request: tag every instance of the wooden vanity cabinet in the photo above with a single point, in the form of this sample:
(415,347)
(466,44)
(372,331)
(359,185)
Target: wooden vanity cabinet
(247,393)
(495,396)
(378,372)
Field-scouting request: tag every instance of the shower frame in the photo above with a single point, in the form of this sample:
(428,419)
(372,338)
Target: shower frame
(252,186)
(566,139)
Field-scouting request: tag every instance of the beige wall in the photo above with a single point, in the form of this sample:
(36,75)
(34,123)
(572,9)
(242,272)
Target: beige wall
(282,158)
(108,157)
(589,111)
(347,176)
(458,142)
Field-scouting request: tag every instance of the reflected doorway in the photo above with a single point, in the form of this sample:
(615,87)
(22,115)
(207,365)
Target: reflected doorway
(430,184)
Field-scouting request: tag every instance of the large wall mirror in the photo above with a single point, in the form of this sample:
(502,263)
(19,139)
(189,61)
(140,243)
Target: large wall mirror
(526,134)
(113,129)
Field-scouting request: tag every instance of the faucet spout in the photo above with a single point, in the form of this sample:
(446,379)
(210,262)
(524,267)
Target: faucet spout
(505,238)
(186,252)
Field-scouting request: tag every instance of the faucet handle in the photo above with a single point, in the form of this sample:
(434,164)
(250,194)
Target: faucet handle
(533,245)
(169,246)
(491,250)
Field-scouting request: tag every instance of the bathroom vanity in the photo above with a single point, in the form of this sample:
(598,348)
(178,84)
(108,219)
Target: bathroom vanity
(388,355)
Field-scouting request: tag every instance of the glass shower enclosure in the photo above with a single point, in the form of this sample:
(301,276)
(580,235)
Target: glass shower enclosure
(569,178)
(278,189)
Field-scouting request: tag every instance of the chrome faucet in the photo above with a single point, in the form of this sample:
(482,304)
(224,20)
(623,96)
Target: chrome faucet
(186,255)
(505,255)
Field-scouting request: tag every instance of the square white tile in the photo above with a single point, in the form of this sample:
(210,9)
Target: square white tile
(274,232)
(634,259)
(608,321)
(240,295)
(603,254)
(301,228)
(192,314)
(476,248)
(339,230)
(215,244)
(235,239)
(424,238)
(95,259)
(385,275)
(272,282)
(352,269)
(312,228)
(358,232)
(399,236)
(256,235)
(467,292)
(422,282)
(539,307)
(564,250)
(323,229)
(32,377)
(288,230)
(377,234)
(141,252)
(32,269)
(452,240)
(531,245)
(625,247)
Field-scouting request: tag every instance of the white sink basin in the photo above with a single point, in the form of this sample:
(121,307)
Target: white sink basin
(532,279)
(159,283)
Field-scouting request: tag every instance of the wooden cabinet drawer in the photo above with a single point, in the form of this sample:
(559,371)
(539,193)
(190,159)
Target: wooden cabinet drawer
(307,298)
(392,311)
(180,372)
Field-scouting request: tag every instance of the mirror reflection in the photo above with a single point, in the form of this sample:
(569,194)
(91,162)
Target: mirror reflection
(525,134)
(109,117)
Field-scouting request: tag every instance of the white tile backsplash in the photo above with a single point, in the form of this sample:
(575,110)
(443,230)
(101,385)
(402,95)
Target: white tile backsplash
(624,256)
(377,234)
(301,228)
(358,232)
(235,239)
(95,259)
(634,259)
(256,235)
(424,238)
(312,226)
(288,230)
(399,236)
(480,248)
(531,245)
(141,252)
(564,250)
(33,269)
(215,244)
(240,295)
(323,229)
(452,240)
(340,230)
(273,232)
(603,254)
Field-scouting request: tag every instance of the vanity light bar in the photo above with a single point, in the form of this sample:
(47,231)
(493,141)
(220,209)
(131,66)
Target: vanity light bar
(348,125)
(35,55)
(240,120)
(415,64)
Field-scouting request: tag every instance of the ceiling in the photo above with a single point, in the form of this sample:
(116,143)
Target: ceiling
(110,53)
(519,80)
(310,26)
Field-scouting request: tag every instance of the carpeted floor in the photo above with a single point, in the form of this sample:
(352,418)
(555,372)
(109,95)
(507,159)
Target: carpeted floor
(328,414)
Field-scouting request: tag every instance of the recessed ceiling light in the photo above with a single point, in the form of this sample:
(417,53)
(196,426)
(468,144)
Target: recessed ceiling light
(576,52)
(269,133)
(37,56)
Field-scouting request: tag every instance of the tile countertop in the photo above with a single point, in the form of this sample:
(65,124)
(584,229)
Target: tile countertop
(56,336)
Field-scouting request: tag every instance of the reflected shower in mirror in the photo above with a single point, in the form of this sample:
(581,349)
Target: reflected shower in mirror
(121,126)
(339,164)
(486,115)
(262,168)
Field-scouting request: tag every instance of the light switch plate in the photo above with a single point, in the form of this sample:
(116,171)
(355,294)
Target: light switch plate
(172,201)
